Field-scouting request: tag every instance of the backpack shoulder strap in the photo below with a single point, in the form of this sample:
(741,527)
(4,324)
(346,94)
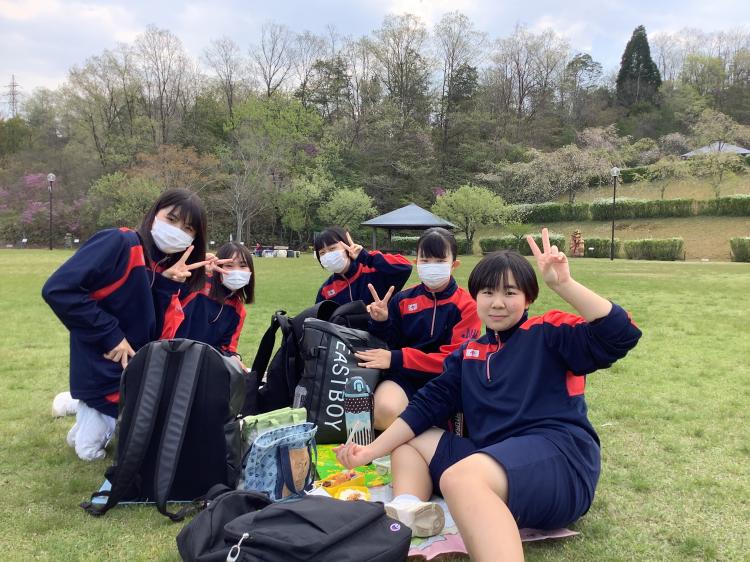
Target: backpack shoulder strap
(175,426)
(265,349)
(130,457)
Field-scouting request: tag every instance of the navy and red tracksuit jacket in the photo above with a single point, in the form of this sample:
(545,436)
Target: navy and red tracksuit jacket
(102,295)
(423,328)
(382,270)
(199,317)
(529,380)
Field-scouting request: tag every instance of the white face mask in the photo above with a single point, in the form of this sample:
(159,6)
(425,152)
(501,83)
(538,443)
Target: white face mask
(434,275)
(335,261)
(170,239)
(235,279)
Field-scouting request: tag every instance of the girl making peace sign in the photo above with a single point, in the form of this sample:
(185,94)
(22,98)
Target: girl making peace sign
(103,296)
(422,326)
(532,458)
(352,268)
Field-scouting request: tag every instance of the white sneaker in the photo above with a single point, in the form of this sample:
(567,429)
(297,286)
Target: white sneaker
(64,405)
(425,519)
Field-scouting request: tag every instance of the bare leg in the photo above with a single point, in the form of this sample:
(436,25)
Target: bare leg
(476,490)
(410,465)
(390,401)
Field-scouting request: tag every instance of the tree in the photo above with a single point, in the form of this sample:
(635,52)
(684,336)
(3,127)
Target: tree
(715,167)
(116,200)
(667,171)
(459,45)
(567,170)
(470,207)
(347,208)
(639,78)
(168,77)
(715,127)
(273,57)
(299,204)
(403,70)
(225,59)
(309,49)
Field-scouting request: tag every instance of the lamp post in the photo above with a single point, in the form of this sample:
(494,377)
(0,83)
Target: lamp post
(50,180)
(615,173)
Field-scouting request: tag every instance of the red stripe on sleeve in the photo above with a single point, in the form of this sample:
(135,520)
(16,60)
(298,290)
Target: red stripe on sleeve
(136,260)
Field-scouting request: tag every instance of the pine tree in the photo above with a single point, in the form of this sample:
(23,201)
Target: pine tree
(639,78)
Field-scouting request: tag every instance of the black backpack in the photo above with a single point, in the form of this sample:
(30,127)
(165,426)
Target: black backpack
(178,429)
(328,350)
(241,526)
(285,369)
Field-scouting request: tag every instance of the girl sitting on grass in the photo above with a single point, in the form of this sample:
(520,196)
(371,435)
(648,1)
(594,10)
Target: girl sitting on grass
(422,325)
(532,458)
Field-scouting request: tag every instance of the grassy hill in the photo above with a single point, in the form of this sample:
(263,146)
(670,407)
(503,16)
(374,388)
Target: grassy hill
(705,237)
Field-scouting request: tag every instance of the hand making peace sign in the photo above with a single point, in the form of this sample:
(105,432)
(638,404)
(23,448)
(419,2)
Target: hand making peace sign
(351,248)
(379,308)
(553,264)
(180,271)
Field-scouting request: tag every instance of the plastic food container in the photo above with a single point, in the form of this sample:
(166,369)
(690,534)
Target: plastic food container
(382,465)
(340,480)
(352,493)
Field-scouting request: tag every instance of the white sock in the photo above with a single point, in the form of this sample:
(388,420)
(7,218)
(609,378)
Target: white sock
(405,498)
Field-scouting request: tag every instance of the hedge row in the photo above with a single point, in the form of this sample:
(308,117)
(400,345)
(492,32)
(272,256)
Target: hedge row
(625,208)
(543,213)
(519,244)
(740,249)
(600,247)
(667,249)
(408,244)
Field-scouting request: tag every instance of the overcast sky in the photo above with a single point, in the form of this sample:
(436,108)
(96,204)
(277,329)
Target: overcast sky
(41,39)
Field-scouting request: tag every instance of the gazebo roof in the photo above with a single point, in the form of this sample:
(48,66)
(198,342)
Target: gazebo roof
(717,147)
(410,217)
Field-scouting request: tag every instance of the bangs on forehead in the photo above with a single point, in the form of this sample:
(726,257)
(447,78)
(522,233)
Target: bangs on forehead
(186,211)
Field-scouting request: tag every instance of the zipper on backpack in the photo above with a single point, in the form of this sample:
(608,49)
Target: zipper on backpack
(234,552)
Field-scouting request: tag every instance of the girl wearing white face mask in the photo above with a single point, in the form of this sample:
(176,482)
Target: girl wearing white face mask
(103,295)
(422,326)
(352,268)
(215,315)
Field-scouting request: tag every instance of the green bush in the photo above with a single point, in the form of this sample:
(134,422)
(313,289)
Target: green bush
(740,249)
(405,244)
(463,247)
(554,240)
(667,249)
(508,242)
(600,247)
(625,208)
(408,244)
(630,175)
(544,213)
(731,206)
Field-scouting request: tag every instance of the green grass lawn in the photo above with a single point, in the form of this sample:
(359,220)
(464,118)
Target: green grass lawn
(673,418)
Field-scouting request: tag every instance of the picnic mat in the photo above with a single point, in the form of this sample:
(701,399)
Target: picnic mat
(447,542)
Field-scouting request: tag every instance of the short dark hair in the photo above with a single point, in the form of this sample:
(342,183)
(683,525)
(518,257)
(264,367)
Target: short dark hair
(435,241)
(492,272)
(218,291)
(189,207)
(330,235)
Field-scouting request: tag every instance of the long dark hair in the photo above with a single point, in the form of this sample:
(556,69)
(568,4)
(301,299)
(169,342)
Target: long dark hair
(218,291)
(189,207)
